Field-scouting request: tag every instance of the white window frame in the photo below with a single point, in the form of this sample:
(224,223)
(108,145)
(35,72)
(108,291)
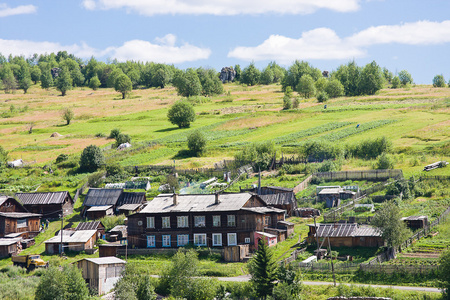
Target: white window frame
(182,240)
(150,222)
(219,242)
(197,237)
(216,221)
(182,222)
(247,240)
(231,220)
(199,221)
(165,222)
(229,237)
(166,240)
(151,241)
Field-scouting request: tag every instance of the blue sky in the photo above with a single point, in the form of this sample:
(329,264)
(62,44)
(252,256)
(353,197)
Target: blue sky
(412,35)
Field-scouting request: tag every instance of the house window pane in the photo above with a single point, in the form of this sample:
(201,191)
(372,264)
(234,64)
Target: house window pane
(232,240)
(150,241)
(200,239)
(166,240)
(216,221)
(182,240)
(165,222)
(231,220)
(217,239)
(150,222)
(21,223)
(267,220)
(247,240)
(182,221)
(199,221)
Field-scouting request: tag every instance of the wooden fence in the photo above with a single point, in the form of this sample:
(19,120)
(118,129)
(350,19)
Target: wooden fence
(389,269)
(374,175)
(303,185)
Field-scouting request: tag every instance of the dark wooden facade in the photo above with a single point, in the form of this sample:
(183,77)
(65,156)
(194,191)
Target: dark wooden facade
(14,218)
(253,215)
(50,205)
(8,247)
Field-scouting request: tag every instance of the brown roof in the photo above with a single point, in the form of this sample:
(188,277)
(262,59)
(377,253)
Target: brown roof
(43,198)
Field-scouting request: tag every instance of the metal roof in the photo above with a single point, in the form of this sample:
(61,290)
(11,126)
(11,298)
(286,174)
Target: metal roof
(119,228)
(197,203)
(266,234)
(100,208)
(89,225)
(278,199)
(330,191)
(277,189)
(43,198)
(345,230)
(81,236)
(105,260)
(131,207)
(264,209)
(101,197)
(8,242)
(131,198)
(18,215)
(414,218)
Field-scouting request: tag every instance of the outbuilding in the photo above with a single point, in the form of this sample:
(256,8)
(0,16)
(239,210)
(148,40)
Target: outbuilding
(72,241)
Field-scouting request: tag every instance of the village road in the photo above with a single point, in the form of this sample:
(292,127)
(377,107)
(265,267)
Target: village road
(243,278)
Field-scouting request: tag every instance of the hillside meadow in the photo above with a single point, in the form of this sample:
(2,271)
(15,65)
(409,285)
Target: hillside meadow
(415,118)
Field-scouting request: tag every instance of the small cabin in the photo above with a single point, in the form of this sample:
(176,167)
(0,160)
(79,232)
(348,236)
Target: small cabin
(81,240)
(416,222)
(270,239)
(101,273)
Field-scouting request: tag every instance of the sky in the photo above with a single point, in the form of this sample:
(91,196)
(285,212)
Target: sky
(412,35)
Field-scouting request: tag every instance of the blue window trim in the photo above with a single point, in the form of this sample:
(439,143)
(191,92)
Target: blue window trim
(170,242)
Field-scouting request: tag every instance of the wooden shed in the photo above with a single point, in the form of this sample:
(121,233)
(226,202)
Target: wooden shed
(49,204)
(101,273)
(25,224)
(72,241)
(9,247)
(94,225)
(416,222)
(271,239)
(110,249)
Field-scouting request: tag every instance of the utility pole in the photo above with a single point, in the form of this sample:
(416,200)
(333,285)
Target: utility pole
(317,235)
(61,232)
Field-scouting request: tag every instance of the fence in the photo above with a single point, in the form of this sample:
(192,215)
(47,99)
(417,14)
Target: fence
(389,269)
(374,175)
(341,267)
(292,257)
(303,185)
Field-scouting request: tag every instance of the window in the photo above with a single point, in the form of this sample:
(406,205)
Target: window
(166,240)
(21,223)
(232,240)
(267,221)
(216,221)
(182,240)
(247,240)
(200,239)
(217,239)
(182,222)
(199,221)
(231,220)
(150,241)
(150,222)
(165,222)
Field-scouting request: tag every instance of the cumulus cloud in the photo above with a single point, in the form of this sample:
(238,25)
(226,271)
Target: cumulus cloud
(222,7)
(163,51)
(6,11)
(324,43)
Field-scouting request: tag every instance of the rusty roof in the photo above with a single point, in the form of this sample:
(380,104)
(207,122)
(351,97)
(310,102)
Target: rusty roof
(43,198)
(94,225)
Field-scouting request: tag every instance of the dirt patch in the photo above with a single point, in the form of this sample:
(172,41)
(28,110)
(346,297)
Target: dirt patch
(422,255)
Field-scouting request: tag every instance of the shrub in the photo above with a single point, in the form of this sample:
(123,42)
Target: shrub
(196,142)
(322,97)
(181,114)
(114,169)
(439,81)
(114,133)
(384,161)
(67,115)
(61,158)
(287,102)
(91,159)
(122,138)
(295,102)
(111,221)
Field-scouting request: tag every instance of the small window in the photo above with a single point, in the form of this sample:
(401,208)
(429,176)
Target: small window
(165,222)
(199,221)
(166,240)
(150,241)
(217,239)
(150,222)
(232,240)
(21,223)
(216,221)
(231,220)
(182,221)
(247,240)
(182,240)
(267,221)
(200,239)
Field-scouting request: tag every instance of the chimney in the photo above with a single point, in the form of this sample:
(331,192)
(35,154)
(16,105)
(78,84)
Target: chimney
(217,198)
(175,199)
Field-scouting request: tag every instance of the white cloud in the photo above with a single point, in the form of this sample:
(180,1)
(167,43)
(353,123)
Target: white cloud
(6,11)
(164,51)
(324,43)
(222,7)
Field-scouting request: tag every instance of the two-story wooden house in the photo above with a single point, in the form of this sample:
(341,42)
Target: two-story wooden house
(172,220)
(16,221)
(49,204)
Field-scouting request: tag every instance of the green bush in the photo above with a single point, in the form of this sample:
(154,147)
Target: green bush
(91,159)
(114,133)
(61,158)
(196,143)
(322,97)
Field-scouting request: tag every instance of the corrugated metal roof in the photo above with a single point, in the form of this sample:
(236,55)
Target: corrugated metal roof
(266,234)
(330,191)
(263,210)
(18,215)
(197,203)
(100,208)
(345,230)
(131,198)
(119,228)
(99,197)
(106,260)
(8,242)
(278,199)
(366,231)
(277,189)
(42,198)
(81,236)
(88,225)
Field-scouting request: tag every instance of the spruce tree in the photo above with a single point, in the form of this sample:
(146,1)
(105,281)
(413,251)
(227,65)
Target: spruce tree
(263,268)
